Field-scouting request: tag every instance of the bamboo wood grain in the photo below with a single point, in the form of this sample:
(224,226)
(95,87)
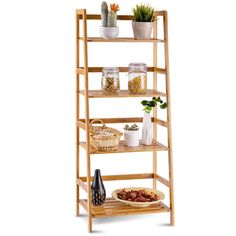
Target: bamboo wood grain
(170,158)
(155,146)
(81,122)
(87,144)
(82,184)
(154,155)
(80,70)
(123,94)
(119,17)
(122,40)
(162,180)
(112,207)
(115,208)
(123,69)
(77,115)
(122,177)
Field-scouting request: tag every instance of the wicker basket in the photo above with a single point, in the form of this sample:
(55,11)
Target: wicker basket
(104,138)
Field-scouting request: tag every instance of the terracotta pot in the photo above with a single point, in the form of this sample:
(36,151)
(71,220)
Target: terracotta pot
(142,30)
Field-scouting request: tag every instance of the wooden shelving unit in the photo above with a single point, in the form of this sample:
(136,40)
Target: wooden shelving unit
(112,207)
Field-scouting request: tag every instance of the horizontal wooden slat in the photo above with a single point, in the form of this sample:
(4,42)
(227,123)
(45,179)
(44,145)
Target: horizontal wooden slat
(160,122)
(81,122)
(162,180)
(82,184)
(113,207)
(119,17)
(155,146)
(125,69)
(122,177)
(122,94)
(121,40)
(160,70)
(98,17)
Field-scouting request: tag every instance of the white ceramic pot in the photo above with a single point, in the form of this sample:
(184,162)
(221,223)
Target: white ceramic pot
(142,30)
(131,138)
(147,129)
(109,32)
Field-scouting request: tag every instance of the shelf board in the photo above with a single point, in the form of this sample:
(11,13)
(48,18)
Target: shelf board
(122,94)
(122,40)
(79,12)
(81,70)
(112,207)
(155,146)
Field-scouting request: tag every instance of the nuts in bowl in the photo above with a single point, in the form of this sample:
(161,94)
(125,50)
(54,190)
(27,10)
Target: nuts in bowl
(138,197)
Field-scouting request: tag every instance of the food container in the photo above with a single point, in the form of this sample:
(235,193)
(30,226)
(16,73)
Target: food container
(104,138)
(110,80)
(137,78)
(160,195)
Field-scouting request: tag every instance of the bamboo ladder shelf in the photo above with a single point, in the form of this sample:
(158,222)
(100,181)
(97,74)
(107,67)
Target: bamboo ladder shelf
(112,207)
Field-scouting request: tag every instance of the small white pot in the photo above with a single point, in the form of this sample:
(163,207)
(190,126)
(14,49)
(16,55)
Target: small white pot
(142,30)
(131,138)
(109,32)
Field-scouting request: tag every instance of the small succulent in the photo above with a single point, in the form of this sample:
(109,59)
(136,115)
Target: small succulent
(148,105)
(133,127)
(109,18)
(143,13)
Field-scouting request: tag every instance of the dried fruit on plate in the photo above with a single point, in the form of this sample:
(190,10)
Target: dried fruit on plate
(137,196)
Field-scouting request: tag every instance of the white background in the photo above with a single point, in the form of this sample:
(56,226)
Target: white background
(37,105)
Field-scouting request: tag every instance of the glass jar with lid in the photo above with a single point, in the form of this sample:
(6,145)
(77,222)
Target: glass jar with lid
(137,78)
(110,80)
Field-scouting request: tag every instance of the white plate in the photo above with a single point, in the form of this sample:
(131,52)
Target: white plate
(160,195)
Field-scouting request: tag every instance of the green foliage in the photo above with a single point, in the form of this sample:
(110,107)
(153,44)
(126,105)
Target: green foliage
(143,13)
(133,127)
(148,105)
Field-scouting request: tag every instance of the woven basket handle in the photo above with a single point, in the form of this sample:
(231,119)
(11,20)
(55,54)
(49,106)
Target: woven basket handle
(97,121)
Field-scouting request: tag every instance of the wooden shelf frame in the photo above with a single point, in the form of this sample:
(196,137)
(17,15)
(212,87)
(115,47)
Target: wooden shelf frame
(112,207)
(82,181)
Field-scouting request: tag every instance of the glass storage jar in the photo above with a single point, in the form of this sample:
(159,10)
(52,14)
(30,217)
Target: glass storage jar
(110,80)
(137,78)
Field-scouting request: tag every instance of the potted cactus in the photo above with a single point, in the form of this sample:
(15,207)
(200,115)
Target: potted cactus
(109,29)
(144,15)
(131,135)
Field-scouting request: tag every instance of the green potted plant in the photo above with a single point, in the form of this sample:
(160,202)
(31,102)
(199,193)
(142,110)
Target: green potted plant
(142,24)
(147,122)
(131,135)
(109,29)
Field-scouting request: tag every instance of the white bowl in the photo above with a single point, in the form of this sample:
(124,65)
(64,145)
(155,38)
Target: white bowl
(109,32)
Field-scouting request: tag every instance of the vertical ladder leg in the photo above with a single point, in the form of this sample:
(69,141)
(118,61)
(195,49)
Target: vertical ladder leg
(170,160)
(154,155)
(86,87)
(77,116)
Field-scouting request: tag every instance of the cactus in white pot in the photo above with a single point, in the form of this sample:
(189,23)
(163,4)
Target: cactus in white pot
(109,29)
(131,135)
